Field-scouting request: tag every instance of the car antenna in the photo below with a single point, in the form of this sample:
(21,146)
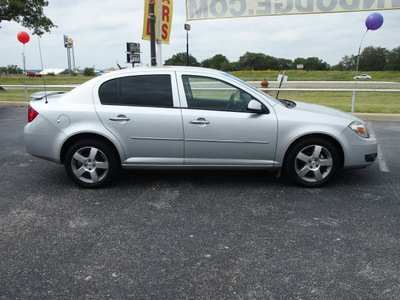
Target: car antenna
(41,62)
(120,66)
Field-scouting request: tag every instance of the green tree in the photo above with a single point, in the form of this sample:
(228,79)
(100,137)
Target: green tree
(271,63)
(216,62)
(373,59)
(284,64)
(311,63)
(179,59)
(393,63)
(230,66)
(299,61)
(11,69)
(88,72)
(27,12)
(314,63)
(348,63)
(253,61)
(206,63)
(338,67)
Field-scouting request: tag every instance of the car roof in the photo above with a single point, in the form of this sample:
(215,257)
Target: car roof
(165,68)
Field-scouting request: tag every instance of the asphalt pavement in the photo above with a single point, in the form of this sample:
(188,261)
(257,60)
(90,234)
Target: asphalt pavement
(197,234)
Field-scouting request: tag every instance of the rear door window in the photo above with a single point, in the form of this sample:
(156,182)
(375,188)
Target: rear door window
(143,90)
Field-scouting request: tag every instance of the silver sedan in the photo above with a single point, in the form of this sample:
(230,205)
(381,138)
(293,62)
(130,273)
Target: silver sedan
(184,117)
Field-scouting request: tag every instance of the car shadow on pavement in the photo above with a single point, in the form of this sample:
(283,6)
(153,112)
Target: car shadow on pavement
(198,177)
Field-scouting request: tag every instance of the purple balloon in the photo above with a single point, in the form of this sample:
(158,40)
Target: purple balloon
(374,21)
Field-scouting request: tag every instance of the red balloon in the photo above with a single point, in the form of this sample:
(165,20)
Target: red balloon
(23,37)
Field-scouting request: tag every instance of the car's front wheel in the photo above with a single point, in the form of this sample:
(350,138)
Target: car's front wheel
(91,163)
(312,162)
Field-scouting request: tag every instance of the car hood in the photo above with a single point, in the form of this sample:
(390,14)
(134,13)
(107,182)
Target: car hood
(323,110)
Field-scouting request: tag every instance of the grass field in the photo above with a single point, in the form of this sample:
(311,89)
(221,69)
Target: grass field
(50,80)
(371,102)
(294,75)
(386,103)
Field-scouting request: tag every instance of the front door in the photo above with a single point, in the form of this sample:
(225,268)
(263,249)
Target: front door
(218,128)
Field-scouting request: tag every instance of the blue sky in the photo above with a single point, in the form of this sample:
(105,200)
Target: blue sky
(101,28)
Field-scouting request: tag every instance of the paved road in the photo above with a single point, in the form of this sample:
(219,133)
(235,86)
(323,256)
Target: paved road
(197,234)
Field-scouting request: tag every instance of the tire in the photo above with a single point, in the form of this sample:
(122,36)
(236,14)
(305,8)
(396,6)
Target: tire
(91,163)
(312,162)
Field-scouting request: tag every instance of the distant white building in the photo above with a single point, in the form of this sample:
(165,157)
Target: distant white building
(111,69)
(55,71)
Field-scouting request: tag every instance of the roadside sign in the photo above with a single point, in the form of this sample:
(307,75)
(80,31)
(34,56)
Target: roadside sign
(133,47)
(165,16)
(282,78)
(132,52)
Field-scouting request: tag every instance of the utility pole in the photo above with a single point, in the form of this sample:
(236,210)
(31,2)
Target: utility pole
(159,33)
(152,16)
(69,60)
(187,28)
(73,57)
(68,43)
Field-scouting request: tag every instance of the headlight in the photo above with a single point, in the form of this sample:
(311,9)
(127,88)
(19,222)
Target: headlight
(360,128)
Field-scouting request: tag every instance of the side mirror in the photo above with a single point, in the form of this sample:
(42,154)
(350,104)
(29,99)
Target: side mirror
(256,107)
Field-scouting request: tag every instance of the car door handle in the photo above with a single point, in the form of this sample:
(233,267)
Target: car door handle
(119,118)
(199,121)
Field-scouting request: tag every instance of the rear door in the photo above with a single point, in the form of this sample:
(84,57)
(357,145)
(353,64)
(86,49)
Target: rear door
(143,112)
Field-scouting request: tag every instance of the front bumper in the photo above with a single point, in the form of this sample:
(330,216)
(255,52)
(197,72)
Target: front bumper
(358,152)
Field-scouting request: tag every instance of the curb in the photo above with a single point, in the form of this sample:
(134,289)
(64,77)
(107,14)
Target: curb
(377,117)
(14,103)
(362,116)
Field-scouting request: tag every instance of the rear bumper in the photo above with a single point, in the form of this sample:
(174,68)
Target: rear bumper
(40,138)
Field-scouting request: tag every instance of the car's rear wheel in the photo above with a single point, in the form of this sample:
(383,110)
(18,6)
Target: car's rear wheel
(91,163)
(312,162)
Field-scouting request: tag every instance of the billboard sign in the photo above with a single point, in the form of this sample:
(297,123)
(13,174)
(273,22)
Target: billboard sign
(133,47)
(135,58)
(67,42)
(132,52)
(166,19)
(216,9)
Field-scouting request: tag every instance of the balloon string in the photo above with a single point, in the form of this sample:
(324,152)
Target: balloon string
(355,78)
(359,51)
(359,48)
(26,75)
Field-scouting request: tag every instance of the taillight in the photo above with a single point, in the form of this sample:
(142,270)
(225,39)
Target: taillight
(32,114)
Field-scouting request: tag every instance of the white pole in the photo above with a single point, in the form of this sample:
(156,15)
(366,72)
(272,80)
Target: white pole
(73,56)
(23,60)
(353,101)
(159,32)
